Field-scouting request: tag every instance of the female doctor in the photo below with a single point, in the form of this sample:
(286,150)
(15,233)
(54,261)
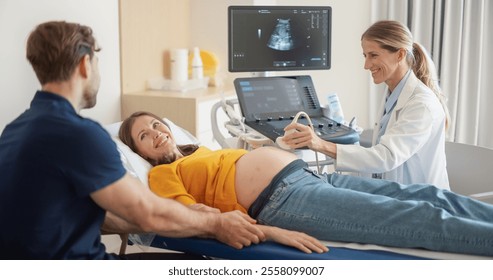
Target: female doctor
(408,144)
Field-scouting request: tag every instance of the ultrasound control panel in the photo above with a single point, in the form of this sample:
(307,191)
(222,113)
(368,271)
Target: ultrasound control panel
(269,104)
(325,128)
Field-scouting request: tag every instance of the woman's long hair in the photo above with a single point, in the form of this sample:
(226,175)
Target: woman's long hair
(125,134)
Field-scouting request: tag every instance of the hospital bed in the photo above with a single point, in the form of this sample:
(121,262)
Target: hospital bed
(139,168)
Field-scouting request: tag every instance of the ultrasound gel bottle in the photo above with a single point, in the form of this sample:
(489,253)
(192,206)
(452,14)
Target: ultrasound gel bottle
(334,108)
(197,65)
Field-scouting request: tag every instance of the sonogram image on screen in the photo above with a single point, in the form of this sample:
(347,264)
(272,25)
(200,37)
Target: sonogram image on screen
(278,38)
(282,38)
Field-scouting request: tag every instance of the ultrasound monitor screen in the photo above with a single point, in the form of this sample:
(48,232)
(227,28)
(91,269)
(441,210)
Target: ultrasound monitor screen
(277,38)
(263,96)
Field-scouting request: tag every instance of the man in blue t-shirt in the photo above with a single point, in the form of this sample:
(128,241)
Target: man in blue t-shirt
(61,177)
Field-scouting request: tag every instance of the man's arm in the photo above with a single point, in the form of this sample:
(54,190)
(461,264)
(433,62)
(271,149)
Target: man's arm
(137,205)
(114,224)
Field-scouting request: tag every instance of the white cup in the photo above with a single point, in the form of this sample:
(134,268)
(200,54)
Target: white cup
(179,65)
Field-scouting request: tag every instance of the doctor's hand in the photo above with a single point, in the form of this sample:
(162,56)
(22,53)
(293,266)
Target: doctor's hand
(299,240)
(304,136)
(237,230)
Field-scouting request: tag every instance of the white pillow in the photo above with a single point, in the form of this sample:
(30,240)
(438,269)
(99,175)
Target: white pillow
(135,164)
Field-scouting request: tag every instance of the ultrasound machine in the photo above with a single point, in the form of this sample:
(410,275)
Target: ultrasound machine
(268,39)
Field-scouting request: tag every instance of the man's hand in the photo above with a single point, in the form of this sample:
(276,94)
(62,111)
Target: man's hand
(237,229)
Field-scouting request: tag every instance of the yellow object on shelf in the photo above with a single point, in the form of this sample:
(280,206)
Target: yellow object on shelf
(209,61)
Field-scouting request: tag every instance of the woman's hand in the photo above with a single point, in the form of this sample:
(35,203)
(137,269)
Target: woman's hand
(299,240)
(304,136)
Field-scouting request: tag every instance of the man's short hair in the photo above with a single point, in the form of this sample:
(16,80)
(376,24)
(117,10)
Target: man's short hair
(55,48)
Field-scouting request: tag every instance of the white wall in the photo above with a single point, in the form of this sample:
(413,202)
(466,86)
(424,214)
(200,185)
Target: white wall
(208,31)
(17,79)
(346,77)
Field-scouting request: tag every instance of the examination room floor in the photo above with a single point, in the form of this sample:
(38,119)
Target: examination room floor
(113,243)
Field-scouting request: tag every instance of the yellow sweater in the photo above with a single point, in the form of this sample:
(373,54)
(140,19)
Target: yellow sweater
(205,176)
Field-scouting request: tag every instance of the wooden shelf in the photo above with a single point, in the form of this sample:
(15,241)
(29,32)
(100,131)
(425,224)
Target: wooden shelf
(190,110)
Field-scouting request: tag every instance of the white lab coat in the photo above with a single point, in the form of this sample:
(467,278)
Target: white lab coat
(412,149)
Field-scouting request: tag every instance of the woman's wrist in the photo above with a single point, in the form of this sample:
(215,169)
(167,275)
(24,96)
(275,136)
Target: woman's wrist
(331,150)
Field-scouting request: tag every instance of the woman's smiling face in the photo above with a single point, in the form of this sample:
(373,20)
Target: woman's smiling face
(153,139)
(383,64)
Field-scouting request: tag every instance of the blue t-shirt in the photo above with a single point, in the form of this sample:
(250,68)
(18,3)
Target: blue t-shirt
(51,160)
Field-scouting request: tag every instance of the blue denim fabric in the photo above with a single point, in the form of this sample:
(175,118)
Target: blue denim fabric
(364,210)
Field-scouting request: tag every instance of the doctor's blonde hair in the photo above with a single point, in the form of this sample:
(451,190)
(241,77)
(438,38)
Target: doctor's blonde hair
(394,36)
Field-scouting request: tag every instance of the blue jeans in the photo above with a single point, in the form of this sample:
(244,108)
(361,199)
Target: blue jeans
(354,209)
